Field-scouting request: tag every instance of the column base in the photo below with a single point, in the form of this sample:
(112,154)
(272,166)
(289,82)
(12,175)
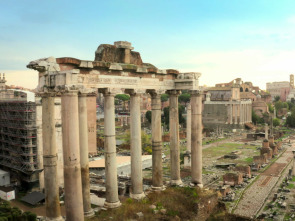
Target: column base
(54,219)
(161,188)
(176,182)
(89,213)
(137,196)
(200,185)
(112,205)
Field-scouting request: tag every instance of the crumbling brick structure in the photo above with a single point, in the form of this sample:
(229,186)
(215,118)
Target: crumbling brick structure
(233,178)
(244,169)
(266,149)
(262,159)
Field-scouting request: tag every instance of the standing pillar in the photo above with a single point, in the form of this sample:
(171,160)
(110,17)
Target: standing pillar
(174,138)
(230,113)
(136,149)
(112,198)
(71,154)
(84,161)
(266,131)
(188,127)
(196,160)
(157,173)
(293,168)
(236,113)
(52,204)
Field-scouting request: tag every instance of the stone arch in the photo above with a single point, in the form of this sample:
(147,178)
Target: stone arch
(241,89)
(246,90)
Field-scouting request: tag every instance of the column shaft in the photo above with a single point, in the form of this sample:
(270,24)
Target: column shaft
(50,160)
(196,168)
(71,153)
(112,198)
(174,138)
(188,127)
(236,113)
(157,174)
(230,113)
(84,161)
(136,148)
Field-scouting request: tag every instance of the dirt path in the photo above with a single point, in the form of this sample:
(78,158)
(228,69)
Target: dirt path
(255,196)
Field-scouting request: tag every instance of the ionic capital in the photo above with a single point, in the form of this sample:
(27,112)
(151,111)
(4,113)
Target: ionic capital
(109,91)
(135,92)
(173,92)
(196,93)
(156,93)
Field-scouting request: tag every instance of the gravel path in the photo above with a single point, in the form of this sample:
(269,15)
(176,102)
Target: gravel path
(255,196)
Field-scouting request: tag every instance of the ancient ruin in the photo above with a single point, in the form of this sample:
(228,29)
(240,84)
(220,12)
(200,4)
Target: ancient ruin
(116,69)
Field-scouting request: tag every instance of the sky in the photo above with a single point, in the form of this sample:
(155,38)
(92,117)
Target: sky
(222,39)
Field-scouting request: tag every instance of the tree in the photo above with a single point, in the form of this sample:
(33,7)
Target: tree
(256,119)
(270,107)
(185,98)
(291,105)
(148,116)
(276,122)
(123,98)
(291,119)
(164,97)
(277,98)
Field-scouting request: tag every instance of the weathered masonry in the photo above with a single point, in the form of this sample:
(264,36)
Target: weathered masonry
(116,69)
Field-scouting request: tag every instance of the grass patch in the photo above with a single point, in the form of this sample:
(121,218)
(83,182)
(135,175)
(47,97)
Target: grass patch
(249,160)
(178,201)
(291,186)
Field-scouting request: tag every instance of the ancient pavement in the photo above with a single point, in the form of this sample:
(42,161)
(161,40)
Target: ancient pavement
(255,196)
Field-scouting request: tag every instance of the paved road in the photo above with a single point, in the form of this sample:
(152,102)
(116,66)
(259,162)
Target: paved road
(255,196)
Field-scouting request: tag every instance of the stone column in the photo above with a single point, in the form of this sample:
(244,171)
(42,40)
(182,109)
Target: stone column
(52,205)
(157,172)
(136,148)
(174,138)
(196,152)
(241,114)
(266,131)
(71,154)
(236,113)
(112,198)
(84,161)
(230,113)
(188,127)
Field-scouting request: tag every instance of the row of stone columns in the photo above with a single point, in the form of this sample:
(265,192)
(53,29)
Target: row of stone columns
(75,154)
(75,150)
(243,110)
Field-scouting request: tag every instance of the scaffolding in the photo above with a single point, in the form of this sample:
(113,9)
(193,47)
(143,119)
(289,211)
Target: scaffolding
(18,138)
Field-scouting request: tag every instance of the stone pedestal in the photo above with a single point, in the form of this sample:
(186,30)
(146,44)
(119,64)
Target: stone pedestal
(174,138)
(52,205)
(157,173)
(71,154)
(112,198)
(196,152)
(136,149)
(84,162)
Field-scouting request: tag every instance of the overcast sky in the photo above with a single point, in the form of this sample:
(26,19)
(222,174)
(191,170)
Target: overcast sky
(223,39)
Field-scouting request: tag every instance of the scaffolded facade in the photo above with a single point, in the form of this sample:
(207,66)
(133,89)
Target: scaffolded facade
(18,138)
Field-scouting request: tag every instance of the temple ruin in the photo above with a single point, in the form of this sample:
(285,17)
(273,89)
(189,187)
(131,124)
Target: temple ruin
(116,70)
